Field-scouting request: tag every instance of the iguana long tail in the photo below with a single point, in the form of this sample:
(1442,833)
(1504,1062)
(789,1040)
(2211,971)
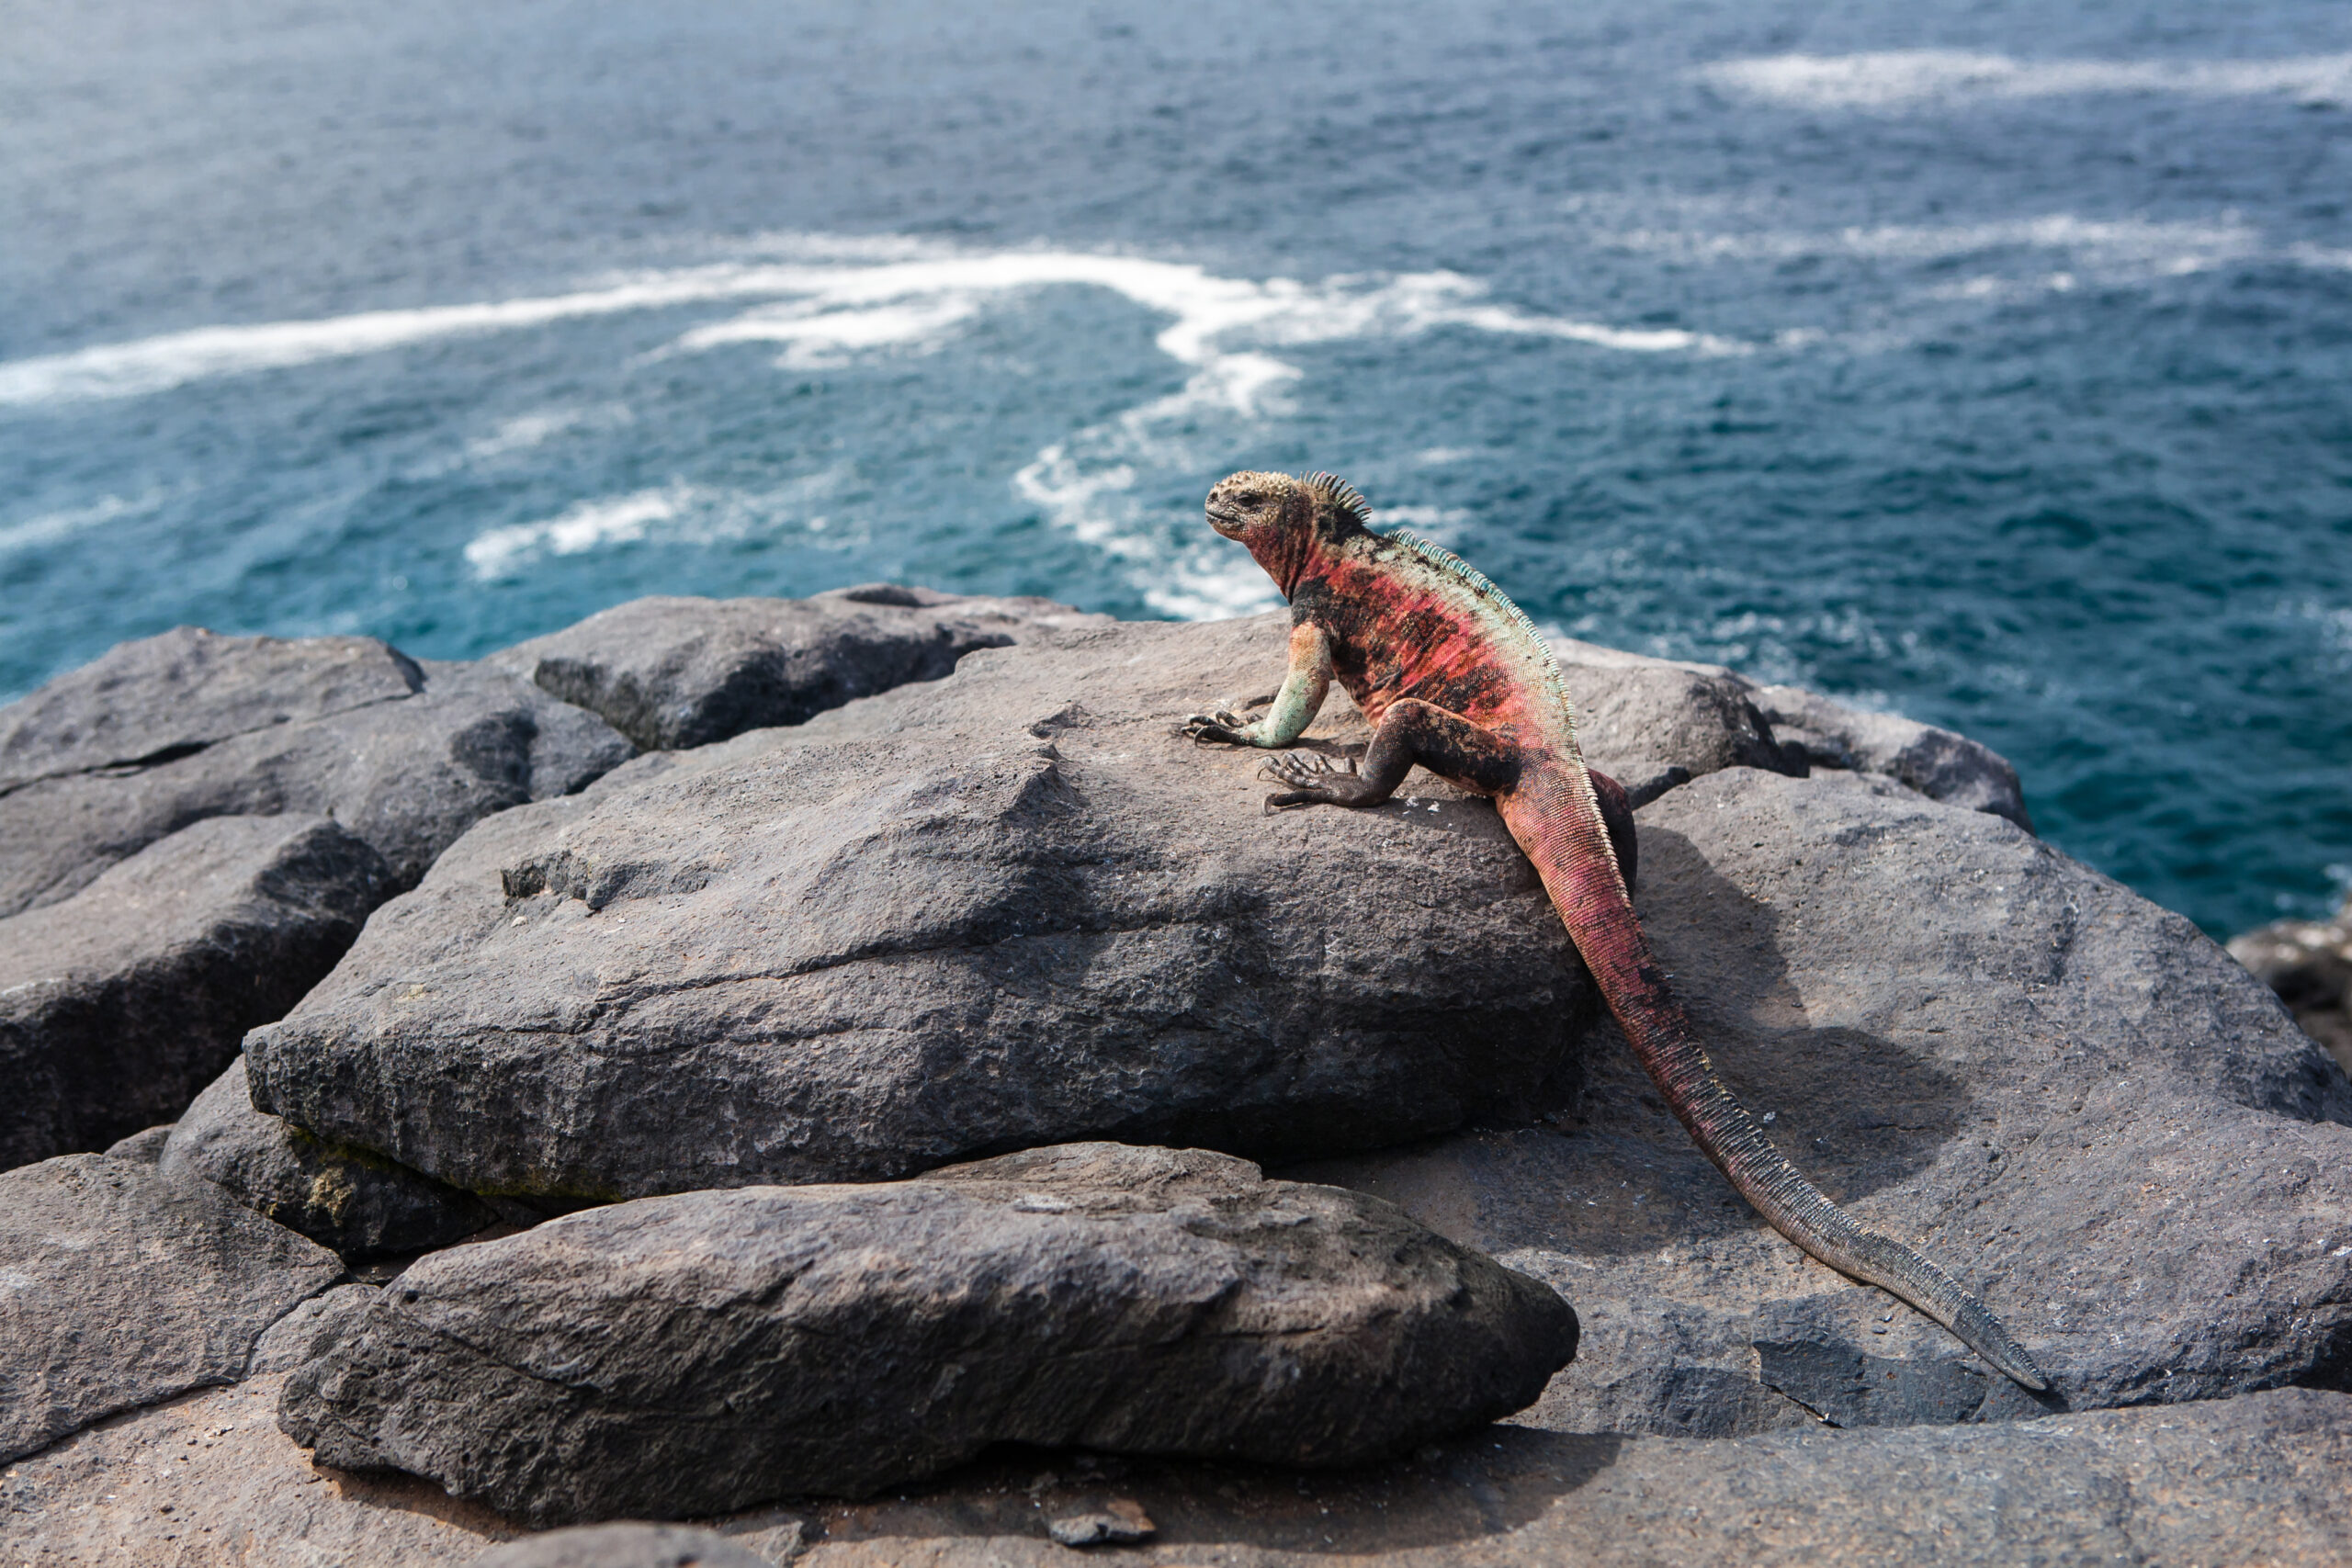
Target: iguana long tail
(1555,818)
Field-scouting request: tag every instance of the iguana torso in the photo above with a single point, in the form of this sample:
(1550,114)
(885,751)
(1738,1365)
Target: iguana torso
(1453,678)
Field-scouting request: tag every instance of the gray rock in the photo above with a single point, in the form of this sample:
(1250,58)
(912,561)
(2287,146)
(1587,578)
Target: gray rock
(2308,964)
(352,1199)
(119,1287)
(406,756)
(119,1003)
(1937,763)
(2069,1097)
(143,702)
(143,1147)
(1011,907)
(697,1353)
(308,1330)
(1655,723)
(622,1546)
(670,673)
(1119,1522)
(208,1480)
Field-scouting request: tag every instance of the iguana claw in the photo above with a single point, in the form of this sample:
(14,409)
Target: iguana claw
(1221,725)
(1304,770)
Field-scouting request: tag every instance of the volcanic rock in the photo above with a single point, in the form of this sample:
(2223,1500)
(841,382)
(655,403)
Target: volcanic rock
(2068,1097)
(117,1004)
(1651,724)
(2308,964)
(622,1546)
(176,728)
(141,704)
(119,1287)
(672,672)
(698,1353)
(209,1481)
(354,1200)
(1937,763)
(1009,907)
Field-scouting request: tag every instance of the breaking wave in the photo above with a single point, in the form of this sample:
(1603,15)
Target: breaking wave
(1903,78)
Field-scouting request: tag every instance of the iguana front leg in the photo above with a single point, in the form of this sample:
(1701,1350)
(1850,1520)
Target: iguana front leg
(1296,705)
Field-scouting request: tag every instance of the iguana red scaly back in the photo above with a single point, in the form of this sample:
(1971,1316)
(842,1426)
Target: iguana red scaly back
(1452,675)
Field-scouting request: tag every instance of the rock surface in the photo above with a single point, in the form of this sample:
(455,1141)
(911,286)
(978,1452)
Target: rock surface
(119,1287)
(176,728)
(1937,763)
(354,1200)
(699,1353)
(143,702)
(671,672)
(117,1004)
(1008,908)
(1651,724)
(2069,1097)
(2308,964)
(622,1546)
(208,1481)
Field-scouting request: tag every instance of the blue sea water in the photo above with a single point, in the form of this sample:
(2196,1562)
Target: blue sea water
(1991,363)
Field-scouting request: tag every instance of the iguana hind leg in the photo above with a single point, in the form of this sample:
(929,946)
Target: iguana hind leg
(1448,745)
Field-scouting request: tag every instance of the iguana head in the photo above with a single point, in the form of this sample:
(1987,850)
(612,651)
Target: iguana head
(1284,519)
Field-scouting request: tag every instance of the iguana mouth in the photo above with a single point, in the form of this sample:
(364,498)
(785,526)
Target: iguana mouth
(1226,520)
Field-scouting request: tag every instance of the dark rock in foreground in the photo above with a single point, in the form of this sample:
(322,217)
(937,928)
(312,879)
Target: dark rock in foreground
(2308,964)
(622,1546)
(119,1287)
(698,1353)
(119,1003)
(2066,1094)
(1010,907)
(176,728)
(672,672)
(356,1202)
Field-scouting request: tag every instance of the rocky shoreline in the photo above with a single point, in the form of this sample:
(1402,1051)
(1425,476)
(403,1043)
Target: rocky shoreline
(847,1072)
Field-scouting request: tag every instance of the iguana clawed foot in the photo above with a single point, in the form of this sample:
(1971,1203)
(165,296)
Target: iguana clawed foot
(1314,779)
(1221,725)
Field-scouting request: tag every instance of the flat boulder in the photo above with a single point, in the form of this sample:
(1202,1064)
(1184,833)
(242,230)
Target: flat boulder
(354,1200)
(119,1287)
(143,703)
(675,672)
(167,731)
(1013,907)
(2070,1098)
(1652,724)
(1938,764)
(117,1004)
(702,1352)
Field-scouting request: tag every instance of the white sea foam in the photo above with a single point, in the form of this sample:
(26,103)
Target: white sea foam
(49,528)
(613,520)
(837,306)
(2128,241)
(1897,79)
(669,514)
(823,301)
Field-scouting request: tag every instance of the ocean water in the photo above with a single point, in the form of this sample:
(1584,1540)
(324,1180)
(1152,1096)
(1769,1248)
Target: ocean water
(1987,362)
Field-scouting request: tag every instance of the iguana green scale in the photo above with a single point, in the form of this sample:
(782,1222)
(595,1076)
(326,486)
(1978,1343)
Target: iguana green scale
(1454,676)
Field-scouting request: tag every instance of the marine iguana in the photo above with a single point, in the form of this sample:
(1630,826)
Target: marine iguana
(1454,676)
